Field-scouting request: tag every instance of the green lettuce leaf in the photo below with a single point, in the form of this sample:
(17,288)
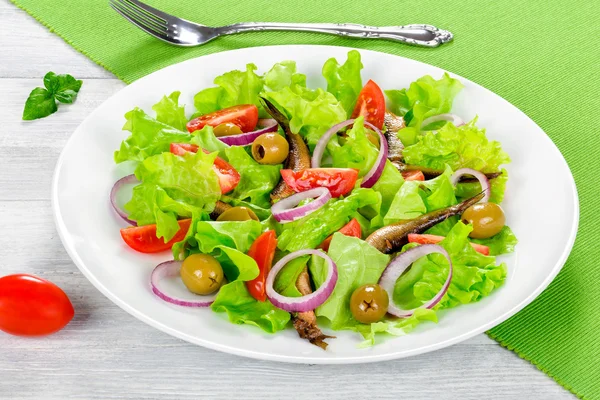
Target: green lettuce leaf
(416,198)
(397,327)
(243,87)
(501,243)
(474,275)
(168,111)
(173,186)
(148,137)
(424,98)
(308,232)
(463,147)
(233,88)
(466,190)
(358,264)
(228,242)
(358,152)
(283,74)
(256,180)
(310,112)
(285,281)
(206,139)
(242,308)
(344,81)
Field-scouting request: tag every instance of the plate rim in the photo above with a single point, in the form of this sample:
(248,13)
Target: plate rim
(62,232)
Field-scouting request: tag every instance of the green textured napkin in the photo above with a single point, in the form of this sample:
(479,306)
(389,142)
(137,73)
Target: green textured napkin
(543,56)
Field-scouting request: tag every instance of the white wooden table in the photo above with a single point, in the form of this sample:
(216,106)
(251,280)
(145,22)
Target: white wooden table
(106,353)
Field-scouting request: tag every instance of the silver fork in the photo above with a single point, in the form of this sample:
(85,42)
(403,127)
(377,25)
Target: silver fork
(181,32)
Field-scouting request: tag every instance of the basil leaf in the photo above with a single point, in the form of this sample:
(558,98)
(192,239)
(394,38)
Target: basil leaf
(39,104)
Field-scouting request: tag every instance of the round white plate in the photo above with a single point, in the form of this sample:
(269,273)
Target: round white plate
(541,207)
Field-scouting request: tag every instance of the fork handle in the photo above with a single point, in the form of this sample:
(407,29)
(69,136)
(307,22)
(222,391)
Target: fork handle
(416,34)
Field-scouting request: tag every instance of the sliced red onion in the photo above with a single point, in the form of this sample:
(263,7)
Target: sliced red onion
(184,298)
(455,119)
(244,139)
(315,161)
(483,180)
(310,301)
(285,210)
(375,173)
(127,180)
(400,264)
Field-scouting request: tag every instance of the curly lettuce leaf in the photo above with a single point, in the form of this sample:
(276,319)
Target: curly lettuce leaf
(169,112)
(310,231)
(229,242)
(358,263)
(310,112)
(424,98)
(173,186)
(243,87)
(474,275)
(466,190)
(415,198)
(501,243)
(398,327)
(358,152)
(206,139)
(285,281)
(464,147)
(148,137)
(241,308)
(256,180)
(344,81)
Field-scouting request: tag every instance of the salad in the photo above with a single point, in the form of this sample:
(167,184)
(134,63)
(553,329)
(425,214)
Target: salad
(323,209)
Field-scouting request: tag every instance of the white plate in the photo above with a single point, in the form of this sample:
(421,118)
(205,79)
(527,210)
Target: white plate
(541,206)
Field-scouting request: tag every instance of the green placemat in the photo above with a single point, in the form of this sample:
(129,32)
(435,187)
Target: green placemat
(543,56)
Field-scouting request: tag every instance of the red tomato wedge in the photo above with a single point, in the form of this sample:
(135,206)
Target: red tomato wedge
(370,104)
(228,176)
(262,251)
(245,116)
(434,239)
(144,240)
(32,306)
(413,176)
(352,228)
(339,181)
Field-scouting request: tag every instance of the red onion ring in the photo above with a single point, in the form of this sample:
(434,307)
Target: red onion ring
(171,269)
(310,301)
(455,119)
(284,211)
(483,180)
(374,174)
(400,264)
(376,170)
(244,139)
(126,180)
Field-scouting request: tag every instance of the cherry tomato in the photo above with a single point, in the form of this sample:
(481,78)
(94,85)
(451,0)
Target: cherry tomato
(144,240)
(339,181)
(262,251)
(352,228)
(434,239)
(245,116)
(413,176)
(228,176)
(370,104)
(32,306)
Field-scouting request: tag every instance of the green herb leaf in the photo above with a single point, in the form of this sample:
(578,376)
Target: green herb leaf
(39,104)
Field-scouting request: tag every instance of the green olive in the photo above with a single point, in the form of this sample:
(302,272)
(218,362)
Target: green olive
(227,129)
(487,219)
(270,148)
(237,214)
(369,303)
(201,274)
